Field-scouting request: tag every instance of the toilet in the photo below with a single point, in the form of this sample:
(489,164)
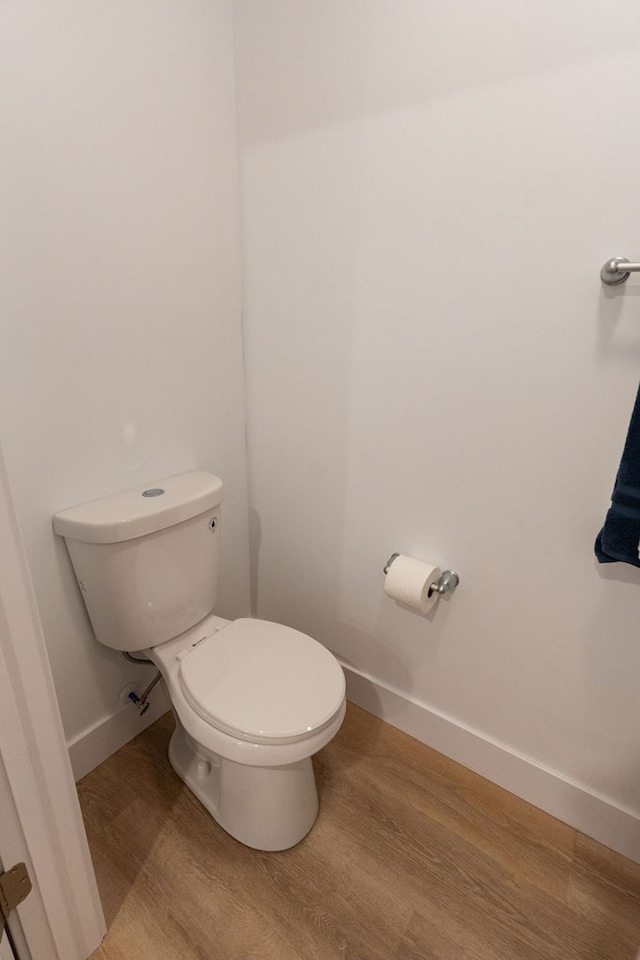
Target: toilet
(253,700)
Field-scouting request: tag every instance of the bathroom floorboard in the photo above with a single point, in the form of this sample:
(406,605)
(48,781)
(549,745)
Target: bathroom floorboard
(412,856)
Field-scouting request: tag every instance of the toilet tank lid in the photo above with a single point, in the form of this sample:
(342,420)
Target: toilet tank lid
(145,509)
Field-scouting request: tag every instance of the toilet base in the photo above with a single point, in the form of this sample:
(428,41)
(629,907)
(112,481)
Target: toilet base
(267,808)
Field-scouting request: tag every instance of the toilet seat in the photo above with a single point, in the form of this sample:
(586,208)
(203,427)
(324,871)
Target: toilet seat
(262,682)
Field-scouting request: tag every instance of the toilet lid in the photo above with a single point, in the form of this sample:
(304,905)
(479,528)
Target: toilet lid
(263,682)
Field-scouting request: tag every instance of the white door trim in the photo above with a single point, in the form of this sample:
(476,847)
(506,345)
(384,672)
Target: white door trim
(6,953)
(42,825)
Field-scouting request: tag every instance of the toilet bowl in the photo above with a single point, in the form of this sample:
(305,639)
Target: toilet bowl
(248,723)
(253,700)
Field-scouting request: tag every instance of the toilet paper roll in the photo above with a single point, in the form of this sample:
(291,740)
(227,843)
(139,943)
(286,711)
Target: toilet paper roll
(408,581)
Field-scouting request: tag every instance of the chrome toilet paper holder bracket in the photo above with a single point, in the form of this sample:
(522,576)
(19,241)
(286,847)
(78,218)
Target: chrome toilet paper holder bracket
(446,583)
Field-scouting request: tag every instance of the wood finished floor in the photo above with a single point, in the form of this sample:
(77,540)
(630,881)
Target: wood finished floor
(412,858)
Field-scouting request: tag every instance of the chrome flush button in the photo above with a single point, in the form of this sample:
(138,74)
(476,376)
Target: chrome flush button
(153,492)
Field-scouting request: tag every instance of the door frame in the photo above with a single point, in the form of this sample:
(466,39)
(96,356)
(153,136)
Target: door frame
(41,822)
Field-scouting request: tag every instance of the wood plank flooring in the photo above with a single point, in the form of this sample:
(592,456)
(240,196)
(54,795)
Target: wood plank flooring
(412,858)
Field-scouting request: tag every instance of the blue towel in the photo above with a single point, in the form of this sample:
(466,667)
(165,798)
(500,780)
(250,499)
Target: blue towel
(620,536)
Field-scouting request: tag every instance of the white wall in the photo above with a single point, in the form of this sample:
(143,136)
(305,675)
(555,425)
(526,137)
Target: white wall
(429,193)
(120,352)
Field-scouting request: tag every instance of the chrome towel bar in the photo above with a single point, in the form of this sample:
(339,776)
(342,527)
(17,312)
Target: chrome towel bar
(617,270)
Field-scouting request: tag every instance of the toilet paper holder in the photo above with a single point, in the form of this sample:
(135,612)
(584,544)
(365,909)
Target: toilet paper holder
(446,583)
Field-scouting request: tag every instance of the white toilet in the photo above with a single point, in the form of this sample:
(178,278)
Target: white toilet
(253,700)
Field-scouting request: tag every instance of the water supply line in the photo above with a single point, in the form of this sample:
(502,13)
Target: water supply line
(141,701)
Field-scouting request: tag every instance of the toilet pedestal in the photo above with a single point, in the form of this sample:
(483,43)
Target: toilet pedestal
(267,808)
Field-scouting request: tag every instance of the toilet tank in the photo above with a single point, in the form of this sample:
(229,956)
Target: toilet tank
(146,560)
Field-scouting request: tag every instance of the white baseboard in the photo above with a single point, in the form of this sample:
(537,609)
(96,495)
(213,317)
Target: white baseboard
(100,741)
(546,789)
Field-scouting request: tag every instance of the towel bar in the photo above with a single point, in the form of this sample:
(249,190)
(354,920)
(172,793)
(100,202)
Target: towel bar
(617,270)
